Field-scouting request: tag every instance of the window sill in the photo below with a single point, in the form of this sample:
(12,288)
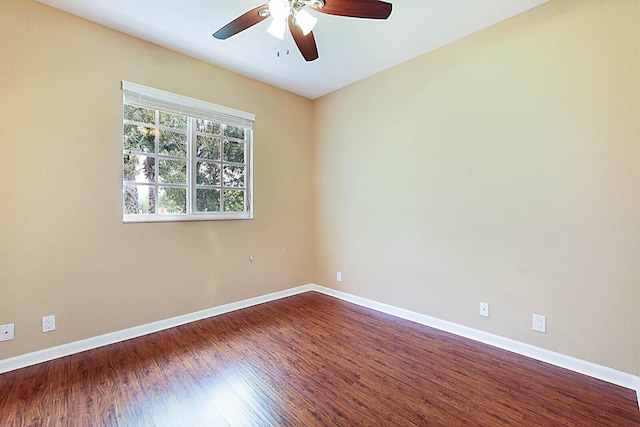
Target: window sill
(132,219)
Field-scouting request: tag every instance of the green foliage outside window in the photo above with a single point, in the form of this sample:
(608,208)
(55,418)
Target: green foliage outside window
(156,162)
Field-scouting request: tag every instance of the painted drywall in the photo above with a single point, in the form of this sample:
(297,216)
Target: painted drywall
(503,168)
(63,247)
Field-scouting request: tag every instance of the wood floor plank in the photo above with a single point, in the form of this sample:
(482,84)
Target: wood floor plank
(307,360)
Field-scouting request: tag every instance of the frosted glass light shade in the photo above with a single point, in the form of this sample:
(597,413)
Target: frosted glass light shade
(278,28)
(279,9)
(305,21)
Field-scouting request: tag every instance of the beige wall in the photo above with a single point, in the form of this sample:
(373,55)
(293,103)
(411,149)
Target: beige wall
(503,168)
(63,247)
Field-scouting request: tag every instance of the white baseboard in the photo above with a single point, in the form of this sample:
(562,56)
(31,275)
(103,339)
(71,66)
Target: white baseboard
(40,356)
(577,365)
(573,364)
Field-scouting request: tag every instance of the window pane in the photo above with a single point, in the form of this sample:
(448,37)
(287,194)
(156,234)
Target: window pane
(130,169)
(175,164)
(207,147)
(139,168)
(172,200)
(139,114)
(234,132)
(207,126)
(173,143)
(208,173)
(233,176)
(172,120)
(139,138)
(138,199)
(173,171)
(234,200)
(233,151)
(207,200)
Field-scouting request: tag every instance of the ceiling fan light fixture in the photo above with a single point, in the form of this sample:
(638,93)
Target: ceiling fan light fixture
(278,28)
(305,21)
(289,14)
(279,9)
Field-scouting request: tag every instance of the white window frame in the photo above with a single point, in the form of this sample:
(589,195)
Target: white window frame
(143,96)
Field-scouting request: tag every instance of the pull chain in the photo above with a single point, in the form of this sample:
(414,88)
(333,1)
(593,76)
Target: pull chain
(286,43)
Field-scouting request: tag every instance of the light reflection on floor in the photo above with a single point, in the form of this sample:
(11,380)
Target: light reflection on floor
(227,399)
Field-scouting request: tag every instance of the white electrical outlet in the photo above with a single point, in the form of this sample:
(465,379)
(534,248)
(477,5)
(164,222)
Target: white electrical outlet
(49,323)
(539,323)
(484,309)
(7,331)
(338,277)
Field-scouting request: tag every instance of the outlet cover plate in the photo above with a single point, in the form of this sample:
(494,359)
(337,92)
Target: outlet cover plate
(49,323)
(539,323)
(7,331)
(338,277)
(484,309)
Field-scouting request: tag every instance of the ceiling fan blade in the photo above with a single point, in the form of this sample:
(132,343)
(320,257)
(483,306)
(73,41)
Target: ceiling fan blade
(371,9)
(241,23)
(306,44)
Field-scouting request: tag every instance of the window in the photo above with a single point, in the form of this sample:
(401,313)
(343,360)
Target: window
(184,159)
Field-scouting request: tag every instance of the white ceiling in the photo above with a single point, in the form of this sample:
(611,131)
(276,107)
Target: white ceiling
(350,49)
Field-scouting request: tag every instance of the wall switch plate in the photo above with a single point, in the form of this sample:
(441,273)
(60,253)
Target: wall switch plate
(49,323)
(338,277)
(484,309)
(539,323)
(7,331)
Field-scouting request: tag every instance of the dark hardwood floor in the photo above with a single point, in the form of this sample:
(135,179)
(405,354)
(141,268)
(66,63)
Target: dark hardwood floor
(306,360)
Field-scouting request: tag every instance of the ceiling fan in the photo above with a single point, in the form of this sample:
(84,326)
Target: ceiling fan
(301,22)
